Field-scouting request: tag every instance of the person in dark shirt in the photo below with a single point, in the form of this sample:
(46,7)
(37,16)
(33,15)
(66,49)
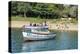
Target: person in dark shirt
(30,24)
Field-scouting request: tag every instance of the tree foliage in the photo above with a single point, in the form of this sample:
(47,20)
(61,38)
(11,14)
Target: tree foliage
(43,10)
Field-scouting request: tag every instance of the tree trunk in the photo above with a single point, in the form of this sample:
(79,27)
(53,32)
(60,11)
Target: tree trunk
(24,14)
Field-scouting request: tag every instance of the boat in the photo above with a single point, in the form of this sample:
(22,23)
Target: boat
(37,33)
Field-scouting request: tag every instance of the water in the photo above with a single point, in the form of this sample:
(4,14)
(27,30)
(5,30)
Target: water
(63,41)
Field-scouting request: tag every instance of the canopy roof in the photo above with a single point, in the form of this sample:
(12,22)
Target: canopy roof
(35,27)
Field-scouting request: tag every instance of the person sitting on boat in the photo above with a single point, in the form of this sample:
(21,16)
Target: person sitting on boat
(45,23)
(30,24)
(34,24)
(37,24)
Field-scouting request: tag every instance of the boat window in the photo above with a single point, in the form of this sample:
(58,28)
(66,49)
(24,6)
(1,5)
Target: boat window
(42,29)
(27,30)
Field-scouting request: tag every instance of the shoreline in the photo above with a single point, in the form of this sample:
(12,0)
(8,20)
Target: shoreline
(52,26)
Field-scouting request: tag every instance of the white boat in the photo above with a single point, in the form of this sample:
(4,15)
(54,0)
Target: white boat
(37,33)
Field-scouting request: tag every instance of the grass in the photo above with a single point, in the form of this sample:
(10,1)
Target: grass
(18,18)
(31,19)
(39,20)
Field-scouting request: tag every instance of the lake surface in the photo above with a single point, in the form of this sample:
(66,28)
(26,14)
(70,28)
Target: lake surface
(64,40)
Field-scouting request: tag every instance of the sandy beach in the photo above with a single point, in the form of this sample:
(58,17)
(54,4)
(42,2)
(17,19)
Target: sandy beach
(52,26)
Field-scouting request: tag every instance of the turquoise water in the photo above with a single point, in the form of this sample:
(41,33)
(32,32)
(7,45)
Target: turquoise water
(64,40)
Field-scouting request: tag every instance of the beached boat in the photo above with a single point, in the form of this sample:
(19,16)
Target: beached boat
(37,33)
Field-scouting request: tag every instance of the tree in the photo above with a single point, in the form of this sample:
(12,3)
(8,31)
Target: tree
(43,10)
(23,7)
(14,8)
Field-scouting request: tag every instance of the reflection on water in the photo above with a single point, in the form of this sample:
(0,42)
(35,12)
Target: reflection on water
(38,45)
(63,40)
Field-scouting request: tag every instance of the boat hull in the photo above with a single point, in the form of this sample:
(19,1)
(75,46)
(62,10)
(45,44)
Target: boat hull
(32,36)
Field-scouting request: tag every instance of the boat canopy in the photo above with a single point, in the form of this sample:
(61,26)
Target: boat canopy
(35,27)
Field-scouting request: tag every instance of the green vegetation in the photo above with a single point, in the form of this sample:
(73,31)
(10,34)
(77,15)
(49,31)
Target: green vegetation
(43,10)
(39,20)
(30,19)
(39,12)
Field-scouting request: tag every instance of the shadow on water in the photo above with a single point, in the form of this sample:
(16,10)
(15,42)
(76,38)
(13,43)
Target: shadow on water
(40,45)
(39,40)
